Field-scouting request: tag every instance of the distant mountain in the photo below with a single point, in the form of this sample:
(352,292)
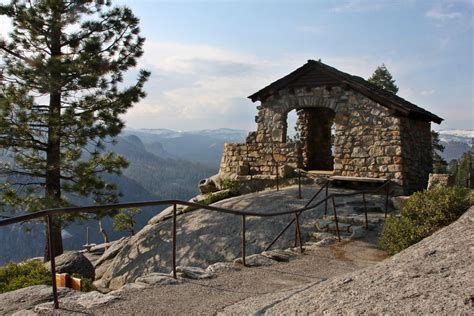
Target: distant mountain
(148,177)
(19,242)
(203,146)
(166,178)
(455,142)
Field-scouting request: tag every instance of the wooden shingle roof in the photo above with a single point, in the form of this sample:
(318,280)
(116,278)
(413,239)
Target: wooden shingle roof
(316,74)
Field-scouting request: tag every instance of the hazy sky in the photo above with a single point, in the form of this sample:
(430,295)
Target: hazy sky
(206,57)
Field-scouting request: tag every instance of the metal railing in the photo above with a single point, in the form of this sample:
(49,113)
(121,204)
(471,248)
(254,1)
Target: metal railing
(49,214)
(385,186)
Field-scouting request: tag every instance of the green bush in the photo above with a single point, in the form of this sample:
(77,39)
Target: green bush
(231,185)
(216,197)
(423,214)
(86,283)
(15,276)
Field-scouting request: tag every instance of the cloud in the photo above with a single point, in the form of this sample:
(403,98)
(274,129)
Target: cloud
(310,29)
(427,92)
(196,86)
(442,15)
(358,6)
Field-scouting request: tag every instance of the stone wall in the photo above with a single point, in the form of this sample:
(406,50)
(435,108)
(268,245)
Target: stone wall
(259,159)
(370,140)
(416,154)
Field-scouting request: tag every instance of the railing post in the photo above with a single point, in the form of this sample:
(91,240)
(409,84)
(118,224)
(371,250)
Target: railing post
(299,184)
(277,177)
(298,231)
(243,241)
(174,240)
(335,217)
(386,198)
(365,211)
(326,201)
(52,259)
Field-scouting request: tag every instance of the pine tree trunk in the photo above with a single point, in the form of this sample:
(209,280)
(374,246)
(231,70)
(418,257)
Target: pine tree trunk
(53,159)
(57,241)
(103,232)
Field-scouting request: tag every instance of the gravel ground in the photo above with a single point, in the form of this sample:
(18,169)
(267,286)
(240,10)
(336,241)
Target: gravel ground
(434,276)
(214,295)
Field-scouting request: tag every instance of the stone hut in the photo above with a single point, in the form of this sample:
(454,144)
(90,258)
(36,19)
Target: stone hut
(346,125)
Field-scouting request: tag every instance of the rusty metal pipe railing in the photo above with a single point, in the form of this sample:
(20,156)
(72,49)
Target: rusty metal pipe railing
(386,198)
(243,241)
(50,213)
(174,240)
(365,211)
(326,202)
(49,220)
(299,184)
(335,219)
(293,220)
(277,177)
(298,231)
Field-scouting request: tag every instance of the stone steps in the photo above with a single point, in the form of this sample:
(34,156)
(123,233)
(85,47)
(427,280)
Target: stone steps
(326,230)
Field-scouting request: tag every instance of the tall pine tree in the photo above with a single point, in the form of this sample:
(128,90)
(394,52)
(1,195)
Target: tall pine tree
(383,79)
(62,85)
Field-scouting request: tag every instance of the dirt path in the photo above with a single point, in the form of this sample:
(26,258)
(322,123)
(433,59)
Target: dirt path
(212,296)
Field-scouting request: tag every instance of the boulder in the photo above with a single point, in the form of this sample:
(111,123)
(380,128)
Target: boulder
(286,171)
(221,267)
(157,278)
(194,273)
(439,180)
(277,255)
(399,201)
(28,297)
(210,184)
(256,261)
(73,262)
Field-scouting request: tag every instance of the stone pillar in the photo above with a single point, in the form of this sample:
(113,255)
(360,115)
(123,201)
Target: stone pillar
(271,126)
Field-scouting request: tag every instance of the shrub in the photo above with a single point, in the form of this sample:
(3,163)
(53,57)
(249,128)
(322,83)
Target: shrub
(15,276)
(86,283)
(231,185)
(423,214)
(216,197)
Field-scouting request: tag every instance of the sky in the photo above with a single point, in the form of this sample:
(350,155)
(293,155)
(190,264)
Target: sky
(206,57)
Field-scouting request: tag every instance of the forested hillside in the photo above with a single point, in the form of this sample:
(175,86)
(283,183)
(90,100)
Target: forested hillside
(148,177)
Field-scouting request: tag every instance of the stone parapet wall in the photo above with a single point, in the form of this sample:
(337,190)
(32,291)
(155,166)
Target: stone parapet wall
(259,159)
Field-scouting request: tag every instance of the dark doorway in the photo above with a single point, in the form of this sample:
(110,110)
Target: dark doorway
(316,126)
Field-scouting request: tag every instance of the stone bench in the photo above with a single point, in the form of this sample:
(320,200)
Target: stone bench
(357,182)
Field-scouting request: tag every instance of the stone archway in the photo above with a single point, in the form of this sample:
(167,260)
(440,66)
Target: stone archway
(315,129)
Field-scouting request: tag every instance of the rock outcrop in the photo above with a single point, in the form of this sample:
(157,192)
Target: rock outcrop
(205,237)
(28,297)
(435,276)
(73,262)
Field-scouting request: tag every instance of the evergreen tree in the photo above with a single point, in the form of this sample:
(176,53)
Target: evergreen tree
(383,79)
(464,171)
(62,71)
(125,220)
(439,164)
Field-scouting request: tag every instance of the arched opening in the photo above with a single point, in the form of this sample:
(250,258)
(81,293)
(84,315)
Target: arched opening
(292,133)
(316,131)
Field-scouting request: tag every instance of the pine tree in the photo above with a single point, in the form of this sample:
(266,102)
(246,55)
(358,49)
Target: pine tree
(63,94)
(125,220)
(439,164)
(383,79)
